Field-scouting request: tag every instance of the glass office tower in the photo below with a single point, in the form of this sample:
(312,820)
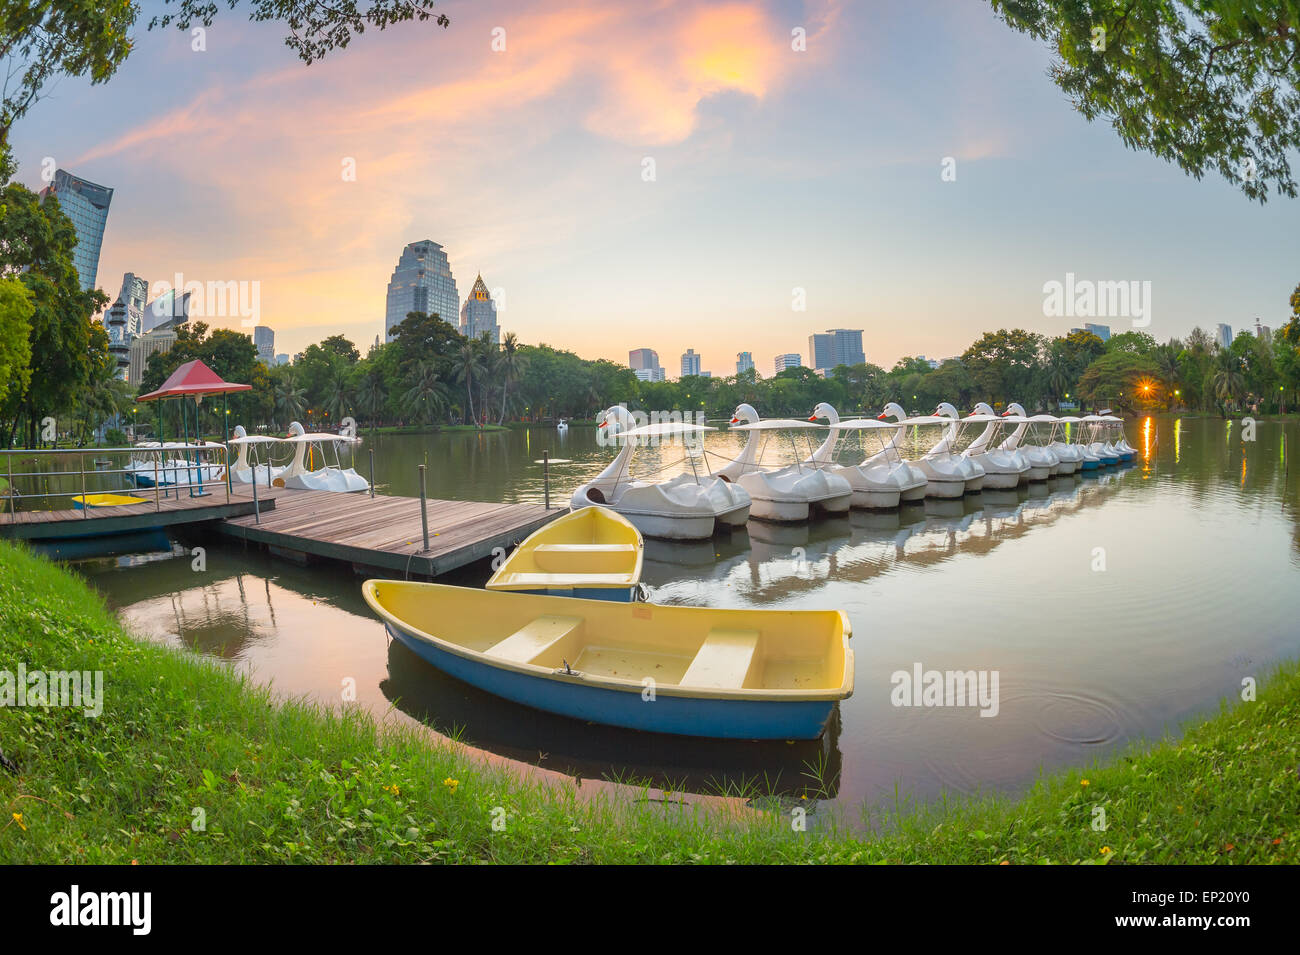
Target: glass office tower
(422,282)
(86,204)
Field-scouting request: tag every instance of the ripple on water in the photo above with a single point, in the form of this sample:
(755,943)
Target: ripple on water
(1076,717)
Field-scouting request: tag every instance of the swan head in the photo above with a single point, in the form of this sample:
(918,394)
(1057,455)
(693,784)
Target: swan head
(824,410)
(616,418)
(1014,409)
(947,410)
(982,407)
(744,414)
(296,428)
(240,432)
(892,410)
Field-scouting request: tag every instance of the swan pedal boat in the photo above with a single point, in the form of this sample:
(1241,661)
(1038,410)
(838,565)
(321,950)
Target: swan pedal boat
(877,484)
(689,671)
(593,553)
(790,494)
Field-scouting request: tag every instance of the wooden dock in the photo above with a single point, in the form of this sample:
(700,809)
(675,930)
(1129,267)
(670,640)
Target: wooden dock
(385,533)
(156,513)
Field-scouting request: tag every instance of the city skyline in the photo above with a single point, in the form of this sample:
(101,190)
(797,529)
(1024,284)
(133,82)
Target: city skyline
(862,232)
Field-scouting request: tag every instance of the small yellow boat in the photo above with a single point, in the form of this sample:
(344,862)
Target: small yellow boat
(693,671)
(105,500)
(592,552)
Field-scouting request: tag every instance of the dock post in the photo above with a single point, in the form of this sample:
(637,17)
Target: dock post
(546,478)
(424,513)
(257,510)
(372,472)
(81,465)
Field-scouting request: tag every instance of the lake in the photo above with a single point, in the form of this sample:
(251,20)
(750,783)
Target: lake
(1112,608)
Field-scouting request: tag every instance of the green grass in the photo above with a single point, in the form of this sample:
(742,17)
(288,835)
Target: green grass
(289,781)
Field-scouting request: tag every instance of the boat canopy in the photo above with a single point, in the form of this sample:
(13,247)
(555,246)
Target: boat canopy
(865,424)
(255,439)
(319,437)
(662,428)
(776,424)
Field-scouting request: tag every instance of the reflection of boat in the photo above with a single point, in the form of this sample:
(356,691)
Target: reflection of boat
(1003,468)
(593,552)
(693,671)
(80,502)
(302,473)
(876,483)
(791,493)
(687,507)
(591,751)
(243,471)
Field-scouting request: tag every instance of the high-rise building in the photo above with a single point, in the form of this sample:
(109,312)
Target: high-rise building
(421,282)
(282,359)
(837,346)
(157,340)
(639,359)
(86,204)
(166,312)
(479,314)
(125,320)
(744,362)
(788,360)
(1101,331)
(264,340)
(690,363)
(820,349)
(1263,331)
(1223,334)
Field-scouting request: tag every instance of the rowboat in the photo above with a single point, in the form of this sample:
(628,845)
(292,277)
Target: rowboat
(82,501)
(592,552)
(690,671)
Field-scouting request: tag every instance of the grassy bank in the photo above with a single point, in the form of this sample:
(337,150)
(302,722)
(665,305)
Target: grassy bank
(289,782)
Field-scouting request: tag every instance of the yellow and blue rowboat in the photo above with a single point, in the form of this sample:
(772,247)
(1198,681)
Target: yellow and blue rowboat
(692,671)
(592,552)
(82,501)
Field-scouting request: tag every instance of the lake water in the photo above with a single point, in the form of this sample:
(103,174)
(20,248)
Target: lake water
(1201,557)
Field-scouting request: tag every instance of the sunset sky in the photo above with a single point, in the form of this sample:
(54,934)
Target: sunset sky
(774,170)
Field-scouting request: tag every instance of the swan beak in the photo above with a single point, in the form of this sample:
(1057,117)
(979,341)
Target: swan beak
(812,418)
(734,421)
(880,417)
(602,424)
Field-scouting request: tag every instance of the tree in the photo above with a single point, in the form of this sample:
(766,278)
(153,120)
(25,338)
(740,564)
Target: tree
(1227,379)
(425,397)
(1003,364)
(290,398)
(1206,84)
(511,368)
(1116,379)
(1138,343)
(16,310)
(339,347)
(467,365)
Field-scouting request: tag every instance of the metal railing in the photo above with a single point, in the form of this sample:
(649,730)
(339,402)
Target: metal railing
(193,470)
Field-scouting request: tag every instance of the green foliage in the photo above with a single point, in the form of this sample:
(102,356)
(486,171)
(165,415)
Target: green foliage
(16,310)
(1115,379)
(1206,84)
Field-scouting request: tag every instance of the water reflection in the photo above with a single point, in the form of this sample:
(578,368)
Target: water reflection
(1201,558)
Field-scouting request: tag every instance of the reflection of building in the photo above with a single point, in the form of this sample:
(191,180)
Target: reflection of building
(744,362)
(788,360)
(645,363)
(835,347)
(86,204)
(690,363)
(1101,331)
(125,320)
(421,282)
(264,340)
(479,314)
(158,340)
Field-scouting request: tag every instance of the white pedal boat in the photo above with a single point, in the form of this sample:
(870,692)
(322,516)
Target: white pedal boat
(302,473)
(877,484)
(917,483)
(1043,462)
(1003,470)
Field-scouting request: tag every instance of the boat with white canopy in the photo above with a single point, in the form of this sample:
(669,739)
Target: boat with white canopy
(689,506)
(878,484)
(175,464)
(1043,462)
(249,450)
(918,483)
(1118,440)
(1088,461)
(1097,443)
(1003,469)
(794,492)
(972,473)
(311,447)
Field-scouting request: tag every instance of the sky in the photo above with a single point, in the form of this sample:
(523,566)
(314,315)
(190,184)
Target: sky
(655,174)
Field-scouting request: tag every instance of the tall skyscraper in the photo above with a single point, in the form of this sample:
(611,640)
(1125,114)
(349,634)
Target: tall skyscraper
(264,339)
(124,320)
(1263,331)
(645,363)
(422,282)
(1101,331)
(86,204)
(744,362)
(479,314)
(788,360)
(1224,334)
(820,351)
(690,363)
(846,349)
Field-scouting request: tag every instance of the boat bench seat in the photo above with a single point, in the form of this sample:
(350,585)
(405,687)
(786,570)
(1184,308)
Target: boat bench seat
(724,659)
(582,558)
(533,638)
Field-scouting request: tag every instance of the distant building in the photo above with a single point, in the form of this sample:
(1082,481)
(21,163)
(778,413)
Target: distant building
(86,204)
(282,359)
(1223,333)
(479,314)
(1101,331)
(158,340)
(788,360)
(690,363)
(650,374)
(165,312)
(835,347)
(124,320)
(744,362)
(264,340)
(640,359)
(1263,331)
(421,282)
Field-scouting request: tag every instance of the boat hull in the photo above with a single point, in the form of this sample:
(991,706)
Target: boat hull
(680,716)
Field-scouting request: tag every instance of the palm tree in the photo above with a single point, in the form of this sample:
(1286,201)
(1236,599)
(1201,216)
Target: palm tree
(339,396)
(373,396)
(425,397)
(1058,377)
(1227,379)
(467,367)
(290,398)
(510,368)
(1166,359)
